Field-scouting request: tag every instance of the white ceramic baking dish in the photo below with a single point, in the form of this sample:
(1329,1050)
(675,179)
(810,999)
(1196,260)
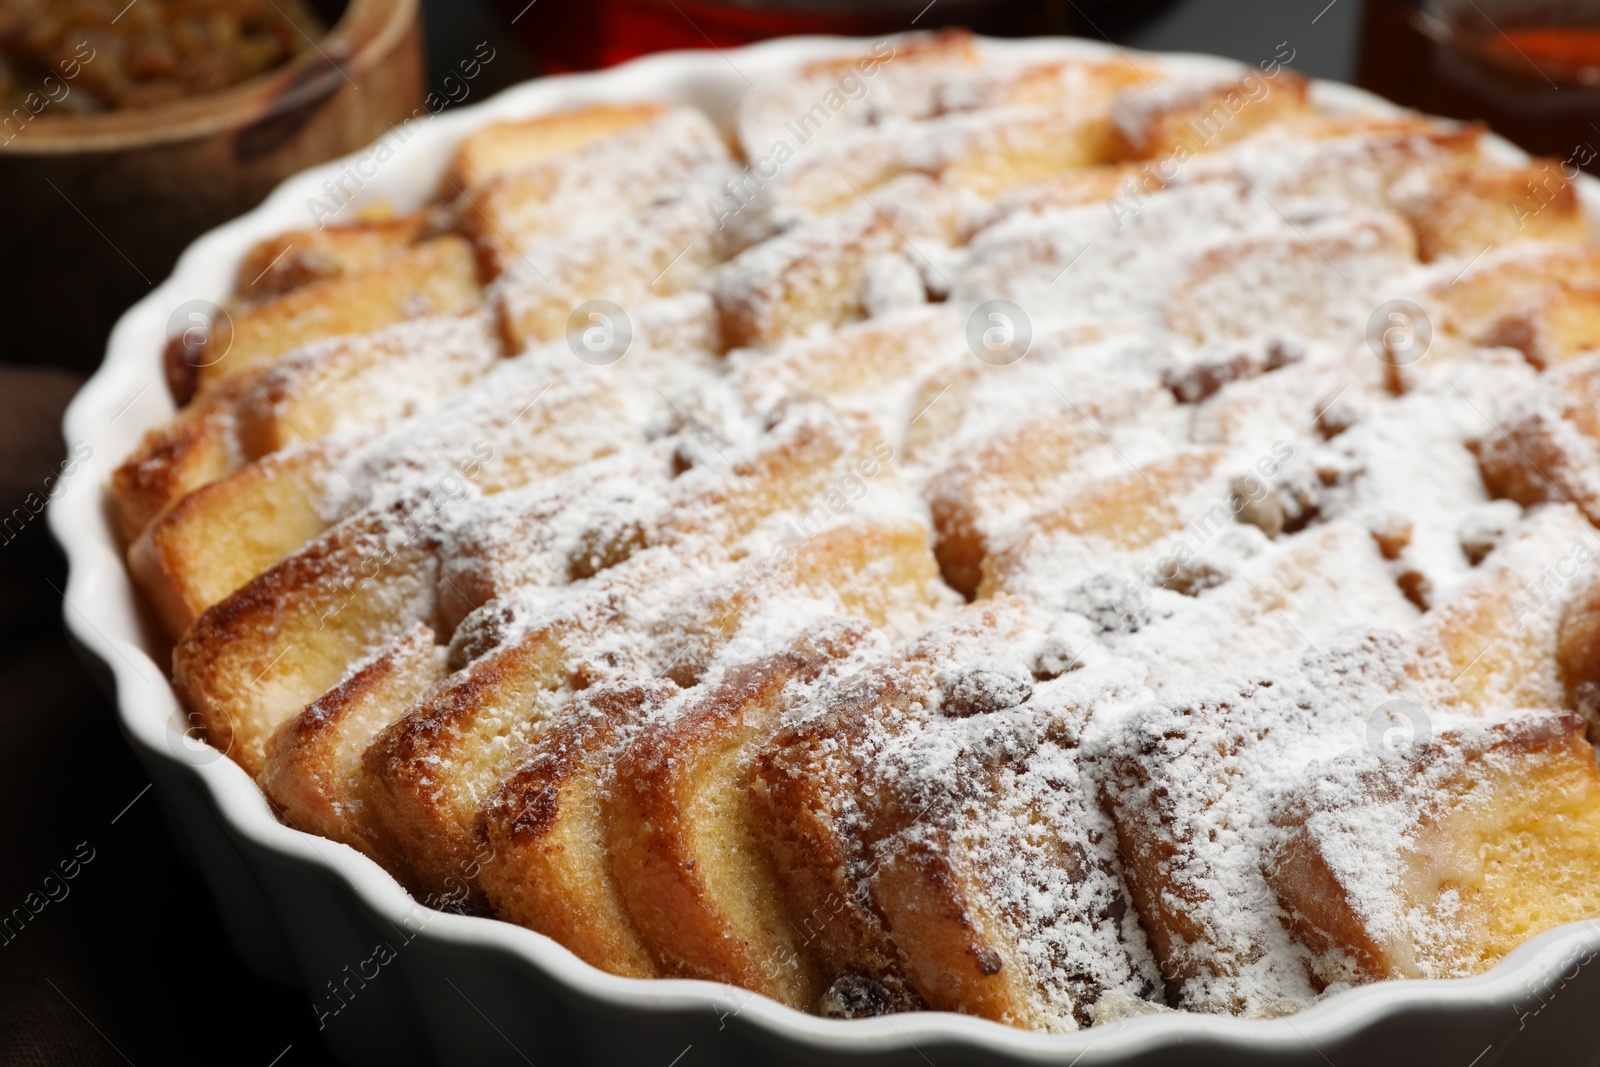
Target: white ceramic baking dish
(451,989)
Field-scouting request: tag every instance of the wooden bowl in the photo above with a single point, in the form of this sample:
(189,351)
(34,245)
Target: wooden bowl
(98,206)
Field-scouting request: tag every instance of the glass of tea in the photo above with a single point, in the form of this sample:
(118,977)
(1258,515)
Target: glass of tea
(1529,68)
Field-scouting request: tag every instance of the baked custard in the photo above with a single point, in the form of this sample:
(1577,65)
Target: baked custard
(1048,540)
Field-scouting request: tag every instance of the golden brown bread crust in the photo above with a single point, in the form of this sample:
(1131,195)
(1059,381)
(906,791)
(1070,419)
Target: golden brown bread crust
(287,636)
(428,772)
(223,533)
(502,147)
(1131,510)
(1578,653)
(171,461)
(288,260)
(1151,849)
(431,813)
(1473,207)
(312,770)
(803,788)
(347,382)
(1035,462)
(205,546)
(548,867)
(1182,127)
(1486,779)
(436,277)
(997,879)
(514,210)
(701,889)
(1321,912)
(954,950)
(1026,458)
(800,823)
(296,401)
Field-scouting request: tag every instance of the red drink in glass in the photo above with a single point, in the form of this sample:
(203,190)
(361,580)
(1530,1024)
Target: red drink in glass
(1530,70)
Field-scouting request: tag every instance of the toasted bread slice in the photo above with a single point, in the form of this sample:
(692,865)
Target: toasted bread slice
(606,181)
(668,248)
(1560,323)
(1018,470)
(905,76)
(1185,780)
(257,658)
(312,766)
(813,275)
(1438,860)
(498,148)
(1087,84)
(1505,283)
(428,773)
(196,448)
(984,152)
(1179,120)
(1120,513)
(806,781)
(436,277)
(701,890)
(1017,146)
(857,366)
(294,258)
(1306,279)
(226,532)
(549,866)
(357,381)
(363,382)
(1000,887)
(1468,209)
(1546,445)
(985,131)
(1367,162)
(1496,643)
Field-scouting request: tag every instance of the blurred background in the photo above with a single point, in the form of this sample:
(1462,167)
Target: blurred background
(128,128)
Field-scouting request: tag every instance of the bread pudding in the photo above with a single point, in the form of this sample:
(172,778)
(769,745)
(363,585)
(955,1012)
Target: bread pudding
(1048,541)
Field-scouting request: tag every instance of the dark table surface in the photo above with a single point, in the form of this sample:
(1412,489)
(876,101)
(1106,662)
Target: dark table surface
(131,965)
